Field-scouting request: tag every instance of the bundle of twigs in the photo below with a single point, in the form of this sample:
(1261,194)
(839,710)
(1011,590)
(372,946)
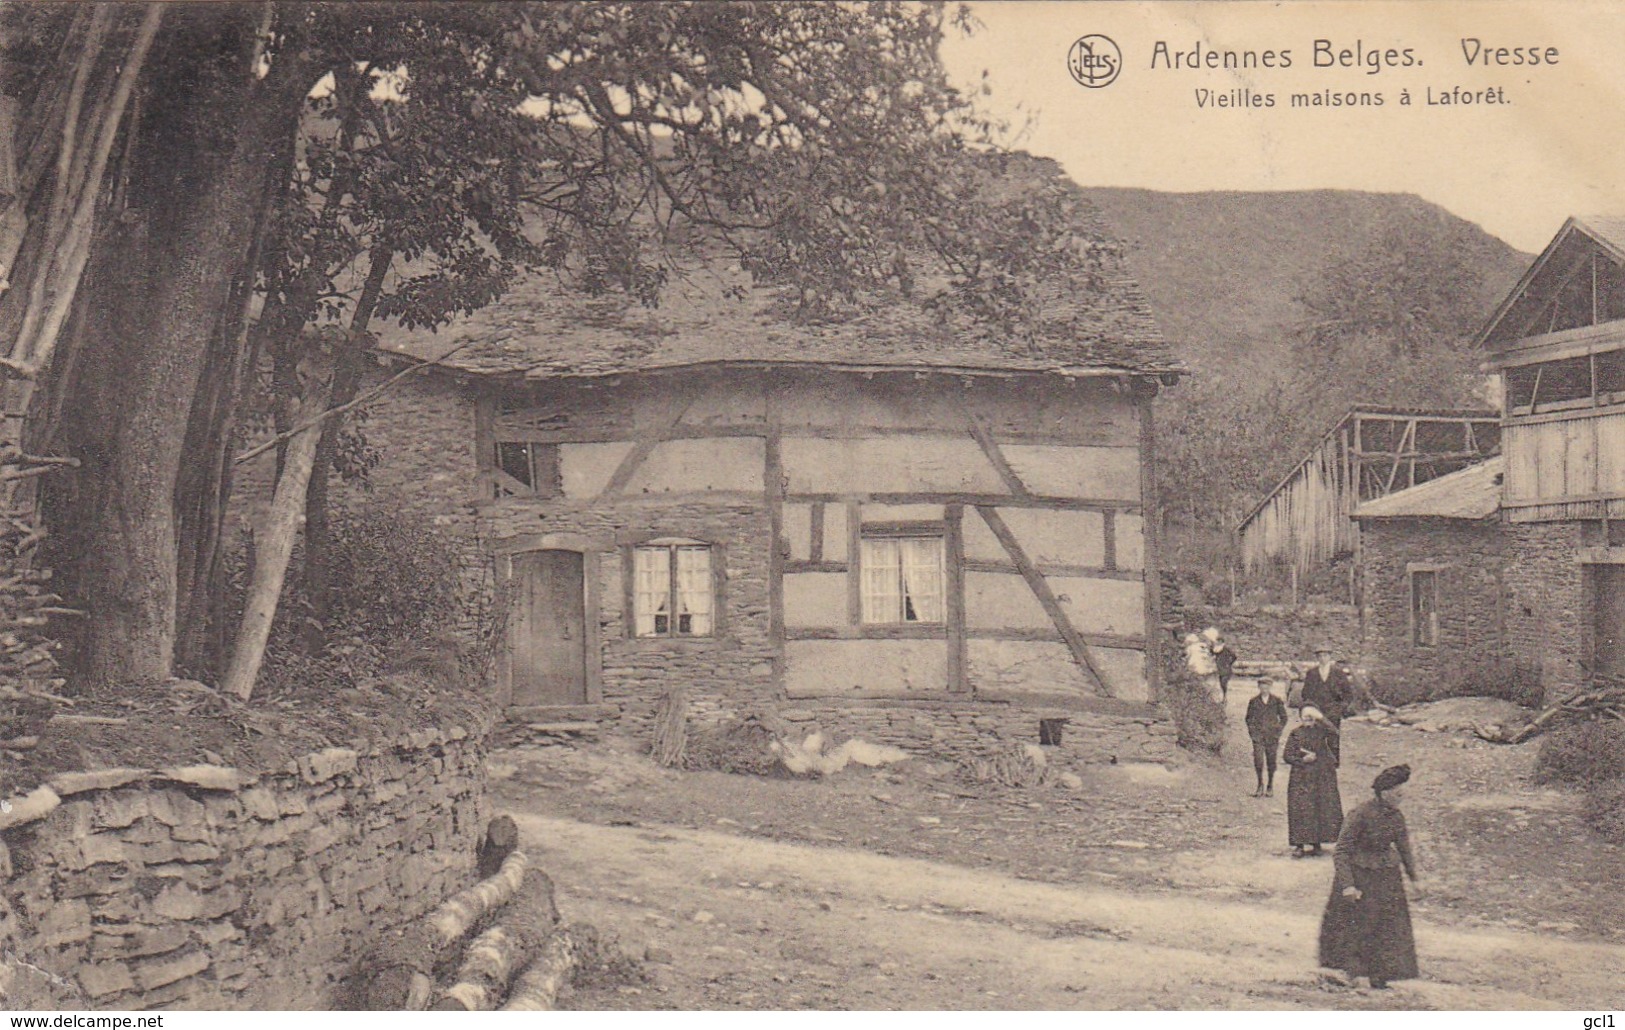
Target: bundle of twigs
(1012,766)
(671,729)
(27,605)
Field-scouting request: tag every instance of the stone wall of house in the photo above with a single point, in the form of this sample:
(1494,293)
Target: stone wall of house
(721,676)
(953,730)
(1469,557)
(210,887)
(423,431)
(1548,612)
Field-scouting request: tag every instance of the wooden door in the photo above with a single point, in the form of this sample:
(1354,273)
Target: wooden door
(1608,601)
(547,631)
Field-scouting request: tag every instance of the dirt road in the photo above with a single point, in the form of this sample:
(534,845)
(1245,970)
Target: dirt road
(738,922)
(1146,887)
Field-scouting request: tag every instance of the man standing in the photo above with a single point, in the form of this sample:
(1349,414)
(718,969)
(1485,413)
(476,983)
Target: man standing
(1327,687)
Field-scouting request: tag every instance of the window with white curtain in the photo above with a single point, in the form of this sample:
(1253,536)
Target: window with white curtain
(902,579)
(673,592)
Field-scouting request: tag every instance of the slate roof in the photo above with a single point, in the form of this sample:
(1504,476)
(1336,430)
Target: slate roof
(1470,493)
(710,314)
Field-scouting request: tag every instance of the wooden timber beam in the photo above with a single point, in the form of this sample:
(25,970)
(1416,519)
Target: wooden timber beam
(990,449)
(1046,597)
(640,453)
(1406,437)
(954,596)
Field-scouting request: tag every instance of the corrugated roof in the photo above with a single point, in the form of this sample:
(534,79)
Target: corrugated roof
(1470,493)
(710,313)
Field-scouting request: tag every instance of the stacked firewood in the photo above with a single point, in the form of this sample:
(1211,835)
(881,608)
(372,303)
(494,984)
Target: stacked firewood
(498,944)
(27,604)
(1603,698)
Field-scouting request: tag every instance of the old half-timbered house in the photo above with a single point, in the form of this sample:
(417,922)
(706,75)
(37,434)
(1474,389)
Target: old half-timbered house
(882,526)
(1558,341)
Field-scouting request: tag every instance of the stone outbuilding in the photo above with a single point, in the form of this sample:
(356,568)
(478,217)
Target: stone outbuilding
(1434,602)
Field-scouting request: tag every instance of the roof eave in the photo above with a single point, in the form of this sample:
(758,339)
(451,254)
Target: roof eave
(541,374)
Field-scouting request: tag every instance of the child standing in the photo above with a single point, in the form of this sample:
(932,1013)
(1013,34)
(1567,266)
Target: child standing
(1266,718)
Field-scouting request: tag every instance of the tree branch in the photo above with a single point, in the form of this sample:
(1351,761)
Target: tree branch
(254,452)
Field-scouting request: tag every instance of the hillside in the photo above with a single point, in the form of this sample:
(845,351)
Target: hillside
(1222,270)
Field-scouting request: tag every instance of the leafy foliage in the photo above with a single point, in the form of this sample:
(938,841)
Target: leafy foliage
(394,578)
(1591,752)
(1388,325)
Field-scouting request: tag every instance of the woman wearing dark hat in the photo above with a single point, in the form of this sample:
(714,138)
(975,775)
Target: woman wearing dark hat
(1366,930)
(1314,809)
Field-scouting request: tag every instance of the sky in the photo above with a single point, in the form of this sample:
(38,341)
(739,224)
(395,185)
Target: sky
(1537,142)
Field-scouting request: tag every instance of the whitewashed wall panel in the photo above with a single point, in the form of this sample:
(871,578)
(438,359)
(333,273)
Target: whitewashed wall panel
(995,600)
(683,466)
(1102,605)
(922,464)
(824,668)
(1111,473)
(815,600)
(585,468)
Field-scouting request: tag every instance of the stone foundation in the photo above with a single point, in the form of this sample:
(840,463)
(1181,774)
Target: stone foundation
(953,730)
(209,887)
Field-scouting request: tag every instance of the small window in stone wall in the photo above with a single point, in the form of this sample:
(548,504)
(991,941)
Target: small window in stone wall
(673,589)
(527,469)
(1425,607)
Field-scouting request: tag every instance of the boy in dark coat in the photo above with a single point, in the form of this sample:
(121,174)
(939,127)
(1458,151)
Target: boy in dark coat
(1266,718)
(1314,809)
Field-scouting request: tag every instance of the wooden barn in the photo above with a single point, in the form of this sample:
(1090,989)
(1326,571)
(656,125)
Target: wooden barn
(1558,341)
(1307,521)
(885,526)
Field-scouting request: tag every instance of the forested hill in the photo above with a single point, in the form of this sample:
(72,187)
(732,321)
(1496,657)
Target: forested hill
(1223,269)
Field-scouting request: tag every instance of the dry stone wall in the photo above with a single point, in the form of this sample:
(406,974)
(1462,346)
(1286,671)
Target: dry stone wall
(215,887)
(1549,616)
(1277,632)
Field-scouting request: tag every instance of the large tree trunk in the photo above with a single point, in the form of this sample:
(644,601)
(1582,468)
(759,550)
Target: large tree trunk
(201,212)
(206,478)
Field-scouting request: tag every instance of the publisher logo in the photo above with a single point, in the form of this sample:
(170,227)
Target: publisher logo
(1094,61)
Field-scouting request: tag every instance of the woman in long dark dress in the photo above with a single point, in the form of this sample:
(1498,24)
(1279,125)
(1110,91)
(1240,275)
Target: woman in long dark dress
(1314,809)
(1366,930)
